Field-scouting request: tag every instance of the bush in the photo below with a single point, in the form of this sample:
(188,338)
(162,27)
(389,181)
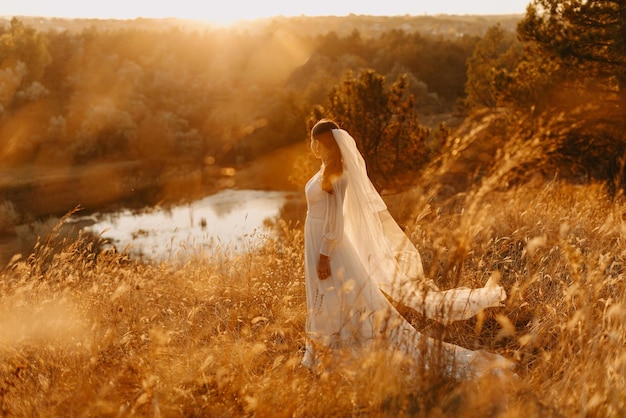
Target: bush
(9,218)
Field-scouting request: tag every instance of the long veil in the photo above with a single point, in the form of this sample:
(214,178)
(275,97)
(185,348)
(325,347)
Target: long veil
(390,258)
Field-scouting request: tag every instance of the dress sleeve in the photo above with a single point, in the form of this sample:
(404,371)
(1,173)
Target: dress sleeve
(333,222)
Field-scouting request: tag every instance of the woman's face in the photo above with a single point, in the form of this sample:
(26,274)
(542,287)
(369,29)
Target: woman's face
(315,147)
(319,149)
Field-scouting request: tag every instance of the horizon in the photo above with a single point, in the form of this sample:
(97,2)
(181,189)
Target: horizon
(280,16)
(240,10)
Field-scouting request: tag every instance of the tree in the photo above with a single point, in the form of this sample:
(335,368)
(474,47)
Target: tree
(588,36)
(504,72)
(486,66)
(383,122)
(586,40)
(23,44)
(23,59)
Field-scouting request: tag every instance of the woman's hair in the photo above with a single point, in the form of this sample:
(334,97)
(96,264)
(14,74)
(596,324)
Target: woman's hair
(333,167)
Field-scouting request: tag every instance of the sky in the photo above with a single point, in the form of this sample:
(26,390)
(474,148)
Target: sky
(229,11)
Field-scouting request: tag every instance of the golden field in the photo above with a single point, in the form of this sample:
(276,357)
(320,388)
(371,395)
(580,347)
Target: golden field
(96,333)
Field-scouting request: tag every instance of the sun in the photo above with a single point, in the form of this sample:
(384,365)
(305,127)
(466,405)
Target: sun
(218,17)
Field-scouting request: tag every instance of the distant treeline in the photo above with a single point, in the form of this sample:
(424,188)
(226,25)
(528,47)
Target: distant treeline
(140,91)
(154,91)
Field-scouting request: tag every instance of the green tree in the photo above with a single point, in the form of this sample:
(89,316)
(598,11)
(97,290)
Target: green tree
(574,67)
(504,72)
(24,44)
(588,36)
(486,67)
(384,123)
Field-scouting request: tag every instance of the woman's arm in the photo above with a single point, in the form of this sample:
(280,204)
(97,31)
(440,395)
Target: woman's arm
(333,226)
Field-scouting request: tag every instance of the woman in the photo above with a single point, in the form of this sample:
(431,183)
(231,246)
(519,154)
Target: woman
(355,251)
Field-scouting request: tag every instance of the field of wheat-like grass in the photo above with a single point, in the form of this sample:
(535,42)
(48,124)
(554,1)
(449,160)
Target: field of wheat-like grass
(96,333)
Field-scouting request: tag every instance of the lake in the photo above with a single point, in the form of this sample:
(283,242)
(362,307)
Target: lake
(231,219)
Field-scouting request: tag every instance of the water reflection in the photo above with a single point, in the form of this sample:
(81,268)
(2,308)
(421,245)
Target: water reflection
(232,219)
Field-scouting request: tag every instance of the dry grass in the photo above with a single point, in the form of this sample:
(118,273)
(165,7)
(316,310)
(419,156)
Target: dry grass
(94,333)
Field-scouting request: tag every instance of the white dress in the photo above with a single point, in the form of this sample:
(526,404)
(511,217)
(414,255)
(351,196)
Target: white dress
(348,309)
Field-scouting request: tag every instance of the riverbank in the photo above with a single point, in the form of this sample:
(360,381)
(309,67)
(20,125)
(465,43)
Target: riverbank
(39,195)
(38,191)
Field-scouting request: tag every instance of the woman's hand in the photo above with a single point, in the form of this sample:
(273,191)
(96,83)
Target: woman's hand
(323,267)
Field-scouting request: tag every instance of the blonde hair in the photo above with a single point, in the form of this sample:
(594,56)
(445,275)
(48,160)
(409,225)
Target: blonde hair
(333,167)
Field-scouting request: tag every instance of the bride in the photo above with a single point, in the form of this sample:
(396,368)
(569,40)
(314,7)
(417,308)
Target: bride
(355,251)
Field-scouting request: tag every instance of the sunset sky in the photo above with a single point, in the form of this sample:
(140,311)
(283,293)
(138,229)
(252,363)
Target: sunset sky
(233,10)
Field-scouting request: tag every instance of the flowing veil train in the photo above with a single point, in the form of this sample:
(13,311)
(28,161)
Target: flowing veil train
(388,255)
